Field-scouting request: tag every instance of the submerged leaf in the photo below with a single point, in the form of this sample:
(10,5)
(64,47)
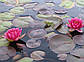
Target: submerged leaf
(37,55)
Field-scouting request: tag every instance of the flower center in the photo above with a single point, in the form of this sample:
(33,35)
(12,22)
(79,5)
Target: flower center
(76,22)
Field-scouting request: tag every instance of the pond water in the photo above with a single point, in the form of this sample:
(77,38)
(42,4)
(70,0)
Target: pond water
(32,31)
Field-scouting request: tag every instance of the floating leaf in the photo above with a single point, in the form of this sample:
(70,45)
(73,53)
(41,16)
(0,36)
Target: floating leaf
(6,16)
(18,56)
(37,24)
(61,11)
(24,1)
(37,55)
(5,25)
(61,44)
(11,51)
(2,28)
(30,5)
(3,42)
(79,39)
(67,4)
(33,43)
(80,3)
(62,56)
(25,59)
(76,55)
(38,33)
(7,52)
(17,10)
(22,21)
(50,4)
(63,29)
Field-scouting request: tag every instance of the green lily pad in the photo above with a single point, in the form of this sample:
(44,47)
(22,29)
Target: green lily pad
(22,21)
(5,25)
(80,3)
(6,16)
(25,59)
(50,4)
(67,4)
(3,42)
(2,28)
(24,1)
(17,10)
(3,0)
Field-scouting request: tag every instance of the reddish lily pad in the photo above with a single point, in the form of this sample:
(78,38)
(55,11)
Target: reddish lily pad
(61,44)
(79,39)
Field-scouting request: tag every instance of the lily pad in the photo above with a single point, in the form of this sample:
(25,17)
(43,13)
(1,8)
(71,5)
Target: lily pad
(50,4)
(33,43)
(3,42)
(61,44)
(30,5)
(5,25)
(76,55)
(63,29)
(61,11)
(6,52)
(22,21)
(80,3)
(17,10)
(38,33)
(25,59)
(67,4)
(24,1)
(6,16)
(79,39)
(37,55)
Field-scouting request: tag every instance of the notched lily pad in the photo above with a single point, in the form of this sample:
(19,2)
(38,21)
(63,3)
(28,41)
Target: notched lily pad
(63,29)
(17,10)
(37,55)
(76,55)
(61,44)
(79,39)
(38,33)
(33,43)
(25,59)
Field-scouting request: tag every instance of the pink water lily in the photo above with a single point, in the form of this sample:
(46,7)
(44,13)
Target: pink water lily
(13,34)
(75,24)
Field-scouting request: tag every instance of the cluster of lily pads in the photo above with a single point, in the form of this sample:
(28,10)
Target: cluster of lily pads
(64,37)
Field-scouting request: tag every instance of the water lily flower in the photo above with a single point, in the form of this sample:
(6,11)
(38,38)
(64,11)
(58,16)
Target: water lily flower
(75,24)
(13,34)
